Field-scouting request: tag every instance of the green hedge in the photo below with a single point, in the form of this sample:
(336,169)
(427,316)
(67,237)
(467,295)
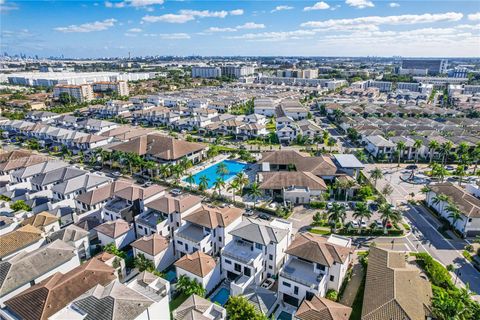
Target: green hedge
(435,271)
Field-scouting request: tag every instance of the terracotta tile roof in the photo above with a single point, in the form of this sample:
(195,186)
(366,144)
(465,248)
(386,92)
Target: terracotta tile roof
(322,308)
(285,179)
(320,166)
(213,217)
(467,203)
(317,249)
(159,146)
(54,293)
(40,220)
(152,244)
(113,229)
(394,290)
(19,239)
(135,192)
(192,309)
(198,263)
(171,203)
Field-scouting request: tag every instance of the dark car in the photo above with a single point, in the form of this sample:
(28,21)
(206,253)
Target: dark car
(411,167)
(373,206)
(264,216)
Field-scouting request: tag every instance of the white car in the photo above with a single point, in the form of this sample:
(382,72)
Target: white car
(329,205)
(354,224)
(363,224)
(268,283)
(378,224)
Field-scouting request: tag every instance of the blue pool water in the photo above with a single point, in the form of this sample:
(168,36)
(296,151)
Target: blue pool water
(170,275)
(284,316)
(233,167)
(221,296)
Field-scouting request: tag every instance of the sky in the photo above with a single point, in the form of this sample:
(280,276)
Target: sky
(115,28)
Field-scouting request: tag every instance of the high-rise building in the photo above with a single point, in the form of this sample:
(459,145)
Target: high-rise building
(121,87)
(237,71)
(433,66)
(80,93)
(206,72)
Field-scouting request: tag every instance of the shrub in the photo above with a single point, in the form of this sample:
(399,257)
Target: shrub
(437,273)
(317,205)
(332,295)
(469,248)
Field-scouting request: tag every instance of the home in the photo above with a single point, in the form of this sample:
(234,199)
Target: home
(24,239)
(200,267)
(468,206)
(43,183)
(42,116)
(196,307)
(349,164)
(256,251)
(46,298)
(117,232)
(76,237)
(314,265)
(164,215)
(96,126)
(322,308)
(44,221)
(28,268)
(66,191)
(90,142)
(395,289)
(379,147)
(207,230)
(155,248)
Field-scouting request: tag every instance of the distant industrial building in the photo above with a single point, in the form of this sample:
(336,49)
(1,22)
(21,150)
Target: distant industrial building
(51,79)
(424,66)
(80,93)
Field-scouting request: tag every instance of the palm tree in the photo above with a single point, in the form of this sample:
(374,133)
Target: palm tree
(234,186)
(165,172)
(389,214)
(191,180)
(203,183)
(376,174)
(241,180)
(445,150)
(325,136)
(222,170)
(454,214)
(460,172)
(218,184)
(417,145)
(255,192)
(185,163)
(189,286)
(441,199)
(387,190)
(150,166)
(331,143)
(475,157)
(336,215)
(433,146)
(361,211)
(400,148)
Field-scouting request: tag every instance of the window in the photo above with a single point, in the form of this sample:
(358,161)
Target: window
(179,242)
(286,284)
(270,256)
(270,267)
(228,261)
(220,239)
(321,267)
(332,278)
(247,272)
(171,218)
(258,246)
(186,246)
(295,290)
(237,267)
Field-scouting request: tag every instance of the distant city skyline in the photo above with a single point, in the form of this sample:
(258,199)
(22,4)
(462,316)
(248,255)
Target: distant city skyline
(94,29)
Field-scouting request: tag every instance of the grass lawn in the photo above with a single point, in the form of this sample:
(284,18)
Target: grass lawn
(357,303)
(320,231)
(177,301)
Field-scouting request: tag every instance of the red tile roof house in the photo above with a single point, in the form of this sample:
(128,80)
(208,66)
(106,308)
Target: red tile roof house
(118,232)
(200,267)
(155,248)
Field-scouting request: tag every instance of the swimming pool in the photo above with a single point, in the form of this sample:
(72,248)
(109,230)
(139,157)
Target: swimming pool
(221,296)
(170,275)
(284,316)
(233,167)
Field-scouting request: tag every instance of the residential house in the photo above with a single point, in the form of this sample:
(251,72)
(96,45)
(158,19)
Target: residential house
(66,191)
(76,237)
(196,307)
(468,205)
(207,230)
(43,183)
(28,268)
(155,248)
(314,265)
(256,252)
(119,232)
(395,289)
(379,147)
(24,239)
(322,308)
(44,221)
(200,267)
(42,116)
(349,164)
(96,126)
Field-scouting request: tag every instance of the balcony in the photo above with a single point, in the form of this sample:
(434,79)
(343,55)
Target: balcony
(242,251)
(192,233)
(118,206)
(302,272)
(150,219)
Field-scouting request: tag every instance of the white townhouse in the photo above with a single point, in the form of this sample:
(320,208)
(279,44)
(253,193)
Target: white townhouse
(378,146)
(118,232)
(314,265)
(206,230)
(155,248)
(256,252)
(200,267)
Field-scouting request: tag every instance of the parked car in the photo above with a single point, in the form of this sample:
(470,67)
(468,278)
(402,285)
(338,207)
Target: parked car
(378,223)
(248,213)
(354,224)
(363,224)
(116,174)
(373,206)
(389,225)
(351,205)
(411,167)
(264,216)
(268,283)
(329,205)
(449,168)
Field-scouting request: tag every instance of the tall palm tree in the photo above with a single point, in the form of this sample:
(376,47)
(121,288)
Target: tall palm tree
(150,166)
(433,146)
(475,157)
(222,170)
(454,214)
(460,172)
(255,192)
(234,187)
(336,215)
(185,163)
(441,199)
(417,145)
(445,150)
(376,174)
(191,180)
(361,211)
(241,180)
(389,214)
(400,148)
(165,172)
(203,183)
(218,184)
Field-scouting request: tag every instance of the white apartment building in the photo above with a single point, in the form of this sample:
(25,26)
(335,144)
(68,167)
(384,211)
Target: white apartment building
(80,93)
(257,251)
(121,87)
(206,72)
(237,71)
(314,265)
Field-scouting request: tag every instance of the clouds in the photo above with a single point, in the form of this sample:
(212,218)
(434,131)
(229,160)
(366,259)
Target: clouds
(5,7)
(393,5)
(134,30)
(360,4)
(245,26)
(317,6)
(281,8)
(174,36)
(251,25)
(133,3)
(275,36)
(188,15)
(88,27)
(406,19)
(474,16)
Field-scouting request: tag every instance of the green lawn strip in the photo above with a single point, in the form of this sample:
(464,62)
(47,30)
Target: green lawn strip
(357,303)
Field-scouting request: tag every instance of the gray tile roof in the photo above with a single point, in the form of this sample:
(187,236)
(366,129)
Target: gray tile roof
(258,232)
(58,175)
(86,182)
